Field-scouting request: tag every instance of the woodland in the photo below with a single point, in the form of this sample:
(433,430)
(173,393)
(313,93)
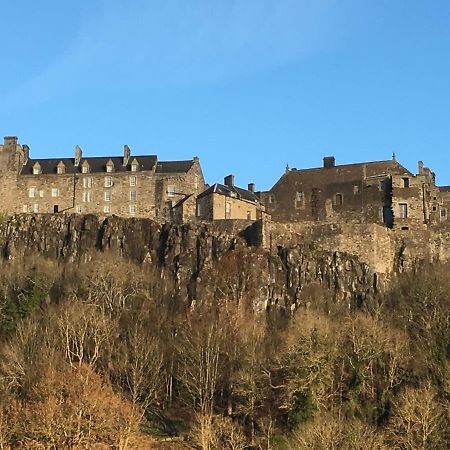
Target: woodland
(102,355)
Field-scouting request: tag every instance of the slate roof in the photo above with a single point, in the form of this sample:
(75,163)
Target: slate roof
(96,164)
(174,166)
(444,188)
(222,189)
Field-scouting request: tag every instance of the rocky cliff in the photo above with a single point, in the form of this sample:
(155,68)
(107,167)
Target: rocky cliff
(197,261)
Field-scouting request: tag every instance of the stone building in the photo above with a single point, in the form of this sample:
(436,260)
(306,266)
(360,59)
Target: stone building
(382,192)
(227,201)
(128,185)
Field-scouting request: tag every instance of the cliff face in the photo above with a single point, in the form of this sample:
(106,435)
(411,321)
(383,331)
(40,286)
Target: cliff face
(196,261)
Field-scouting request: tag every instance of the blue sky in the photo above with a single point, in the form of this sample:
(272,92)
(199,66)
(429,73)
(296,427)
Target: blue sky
(247,85)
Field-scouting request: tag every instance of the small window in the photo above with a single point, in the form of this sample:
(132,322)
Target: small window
(106,209)
(405,182)
(227,210)
(24,208)
(132,196)
(41,193)
(299,200)
(107,196)
(199,210)
(170,191)
(87,182)
(403,210)
(271,199)
(195,181)
(78,209)
(36,208)
(55,192)
(134,167)
(32,192)
(36,169)
(109,168)
(434,208)
(85,168)
(108,181)
(133,181)
(87,196)
(356,189)
(249,215)
(443,212)
(133,209)
(56,209)
(338,199)
(60,170)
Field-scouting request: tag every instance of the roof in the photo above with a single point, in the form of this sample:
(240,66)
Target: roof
(444,188)
(348,172)
(96,164)
(221,189)
(181,202)
(174,166)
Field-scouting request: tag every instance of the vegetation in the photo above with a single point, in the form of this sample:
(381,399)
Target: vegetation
(103,356)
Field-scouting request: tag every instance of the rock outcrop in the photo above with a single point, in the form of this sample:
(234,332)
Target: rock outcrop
(197,261)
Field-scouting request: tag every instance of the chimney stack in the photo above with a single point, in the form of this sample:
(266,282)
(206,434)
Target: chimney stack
(251,187)
(126,154)
(10,140)
(78,155)
(229,180)
(26,153)
(420,167)
(329,161)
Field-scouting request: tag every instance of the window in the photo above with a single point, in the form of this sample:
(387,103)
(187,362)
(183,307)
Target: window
(132,196)
(249,215)
(403,210)
(405,182)
(36,208)
(55,192)
(32,192)
(271,199)
(443,212)
(108,181)
(87,196)
(199,210)
(299,200)
(87,182)
(106,209)
(134,167)
(25,208)
(109,167)
(356,189)
(36,169)
(195,181)
(107,196)
(78,209)
(170,191)
(56,209)
(133,180)
(338,199)
(61,169)
(227,210)
(41,193)
(132,209)
(85,168)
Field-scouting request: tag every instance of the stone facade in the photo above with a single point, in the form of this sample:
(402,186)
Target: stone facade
(382,192)
(128,186)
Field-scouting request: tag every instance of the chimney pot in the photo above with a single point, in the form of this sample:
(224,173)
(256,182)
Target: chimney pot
(229,180)
(251,187)
(420,167)
(329,161)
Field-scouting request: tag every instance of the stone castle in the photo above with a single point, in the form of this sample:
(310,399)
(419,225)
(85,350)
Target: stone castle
(382,192)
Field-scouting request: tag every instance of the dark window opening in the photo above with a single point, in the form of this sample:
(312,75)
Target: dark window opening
(339,199)
(405,228)
(55,208)
(405,182)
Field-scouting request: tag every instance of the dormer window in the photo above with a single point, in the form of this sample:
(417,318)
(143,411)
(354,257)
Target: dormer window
(85,167)
(134,166)
(60,168)
(37,169)
(110,166)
